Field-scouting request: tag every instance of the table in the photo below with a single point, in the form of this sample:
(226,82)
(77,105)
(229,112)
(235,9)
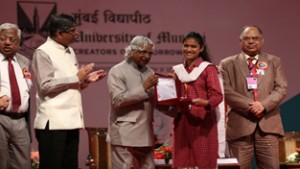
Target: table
(289,165)
(220,166)
(236,166)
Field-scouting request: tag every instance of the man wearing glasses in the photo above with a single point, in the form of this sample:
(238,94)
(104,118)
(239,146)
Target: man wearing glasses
(254,85)
(59,81)
(15,87)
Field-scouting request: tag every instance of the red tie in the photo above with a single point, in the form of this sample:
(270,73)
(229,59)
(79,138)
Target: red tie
(253,74)
(15,93)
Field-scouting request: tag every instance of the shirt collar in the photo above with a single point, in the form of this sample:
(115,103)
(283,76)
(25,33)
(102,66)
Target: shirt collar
(133,64)
(58,46)
(196,63)
(247,56)
(2,57)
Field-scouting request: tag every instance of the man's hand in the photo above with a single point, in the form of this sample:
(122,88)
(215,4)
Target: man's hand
(84,71)
(257,109)
(95,76)
(151,81)
(4,101)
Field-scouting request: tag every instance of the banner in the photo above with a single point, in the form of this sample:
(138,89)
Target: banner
(107,26)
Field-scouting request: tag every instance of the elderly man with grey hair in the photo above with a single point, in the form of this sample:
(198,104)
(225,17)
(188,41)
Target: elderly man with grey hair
(15,84)
(130,129)
(254,84)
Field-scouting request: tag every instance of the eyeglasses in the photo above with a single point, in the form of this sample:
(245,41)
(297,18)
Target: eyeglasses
(255,38)
(11,39)
(72,30)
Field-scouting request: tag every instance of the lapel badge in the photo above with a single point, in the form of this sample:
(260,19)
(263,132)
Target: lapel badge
(26,73)
(262,65)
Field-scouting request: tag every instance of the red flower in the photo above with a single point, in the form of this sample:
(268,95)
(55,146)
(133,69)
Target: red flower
(158,155)
(169,149)
(163,152)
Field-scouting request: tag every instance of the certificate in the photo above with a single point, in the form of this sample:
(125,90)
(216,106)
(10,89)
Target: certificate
(168,91)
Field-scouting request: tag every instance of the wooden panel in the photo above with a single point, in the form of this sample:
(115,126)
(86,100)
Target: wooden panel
(99,149)
(287,145)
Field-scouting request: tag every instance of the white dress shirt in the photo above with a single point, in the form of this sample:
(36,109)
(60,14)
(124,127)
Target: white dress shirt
(5,83)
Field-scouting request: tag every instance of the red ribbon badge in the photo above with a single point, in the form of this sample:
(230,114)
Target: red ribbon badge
(26,73)
(262,65)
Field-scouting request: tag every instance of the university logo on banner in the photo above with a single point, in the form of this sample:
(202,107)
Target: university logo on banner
(32,20)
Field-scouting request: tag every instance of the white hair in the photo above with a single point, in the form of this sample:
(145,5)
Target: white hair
(138,43)
(6,26)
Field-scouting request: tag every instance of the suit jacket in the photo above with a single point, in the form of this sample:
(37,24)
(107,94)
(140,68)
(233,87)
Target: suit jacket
(25,63)
(131,107)
(272,88)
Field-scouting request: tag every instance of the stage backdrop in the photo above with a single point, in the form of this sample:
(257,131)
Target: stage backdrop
(106,27)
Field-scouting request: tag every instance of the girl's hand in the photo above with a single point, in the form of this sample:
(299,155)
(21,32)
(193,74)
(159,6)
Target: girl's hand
(200,102)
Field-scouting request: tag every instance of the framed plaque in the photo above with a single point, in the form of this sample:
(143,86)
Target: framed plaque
(168,91)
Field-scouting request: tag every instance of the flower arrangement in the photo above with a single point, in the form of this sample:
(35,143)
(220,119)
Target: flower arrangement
(294,157)
(164,152)
(35,158)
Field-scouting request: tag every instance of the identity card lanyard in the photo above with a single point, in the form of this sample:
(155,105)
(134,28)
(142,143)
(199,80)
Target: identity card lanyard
(252,80)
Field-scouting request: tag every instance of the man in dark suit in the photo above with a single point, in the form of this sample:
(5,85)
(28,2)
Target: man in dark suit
(254,85)
(15,84)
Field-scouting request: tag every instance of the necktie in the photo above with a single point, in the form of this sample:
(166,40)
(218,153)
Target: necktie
(253,74)
(15,93)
